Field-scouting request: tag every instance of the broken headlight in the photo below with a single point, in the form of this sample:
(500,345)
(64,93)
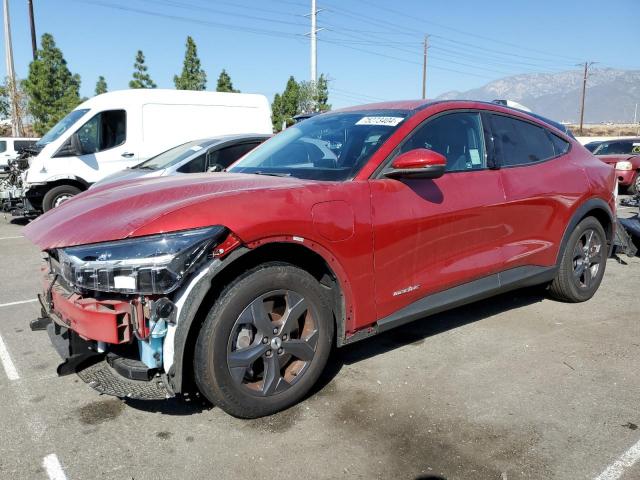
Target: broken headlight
(146,265)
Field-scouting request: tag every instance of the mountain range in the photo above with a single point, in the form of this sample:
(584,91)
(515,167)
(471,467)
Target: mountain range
(611,96)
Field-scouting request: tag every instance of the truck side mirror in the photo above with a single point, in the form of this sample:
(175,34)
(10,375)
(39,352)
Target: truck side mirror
(76,145)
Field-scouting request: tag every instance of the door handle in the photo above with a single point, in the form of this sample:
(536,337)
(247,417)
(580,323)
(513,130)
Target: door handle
(127,154)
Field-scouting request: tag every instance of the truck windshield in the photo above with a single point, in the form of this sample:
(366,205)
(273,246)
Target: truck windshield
(333,146)
(172,156)
(61,127)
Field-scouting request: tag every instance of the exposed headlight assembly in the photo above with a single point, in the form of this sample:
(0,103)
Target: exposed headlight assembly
(624,165)
(146,265)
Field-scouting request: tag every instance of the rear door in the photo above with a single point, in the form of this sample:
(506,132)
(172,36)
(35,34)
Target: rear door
(541,185)
(432,234)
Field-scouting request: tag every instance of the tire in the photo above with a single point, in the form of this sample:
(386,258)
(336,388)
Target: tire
(239,365)
(634,188)
(583,263)
(57,195)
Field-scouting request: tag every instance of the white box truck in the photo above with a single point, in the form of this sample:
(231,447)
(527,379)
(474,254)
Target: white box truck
(118,129)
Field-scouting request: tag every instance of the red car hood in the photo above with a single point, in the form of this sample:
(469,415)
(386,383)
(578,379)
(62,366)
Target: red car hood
(123,210)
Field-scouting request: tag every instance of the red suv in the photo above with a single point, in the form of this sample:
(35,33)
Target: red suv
(341,227)
(624,155)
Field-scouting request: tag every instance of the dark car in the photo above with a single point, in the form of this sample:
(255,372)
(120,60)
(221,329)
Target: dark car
(242,280)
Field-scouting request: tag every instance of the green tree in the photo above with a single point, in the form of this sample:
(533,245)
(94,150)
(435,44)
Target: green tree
(193,77)
(224,83)
(101,85)
(141,79)
(52,90)
(322,94)
(4,102)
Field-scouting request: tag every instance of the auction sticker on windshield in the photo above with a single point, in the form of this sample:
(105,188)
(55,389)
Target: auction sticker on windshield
(389,121)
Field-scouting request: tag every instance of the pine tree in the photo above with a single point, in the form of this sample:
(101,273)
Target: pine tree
(193,77)
(322,94)
(4,102)
(225,84)
(101,85)
(141,79)
(285,106)
(52,90)
(276,113)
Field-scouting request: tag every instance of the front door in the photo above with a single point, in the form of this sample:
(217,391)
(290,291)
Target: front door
(432,234)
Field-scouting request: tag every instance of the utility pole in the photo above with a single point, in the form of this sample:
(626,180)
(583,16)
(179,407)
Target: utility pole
(16,126)
(32,25)
(587,65)
(424,67)
(314,42)
(313,35)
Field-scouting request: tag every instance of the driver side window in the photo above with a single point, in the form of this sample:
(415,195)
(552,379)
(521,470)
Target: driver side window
(105,130)
(458,136)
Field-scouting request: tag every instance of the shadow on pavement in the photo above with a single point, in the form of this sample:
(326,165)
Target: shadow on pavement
(421,329)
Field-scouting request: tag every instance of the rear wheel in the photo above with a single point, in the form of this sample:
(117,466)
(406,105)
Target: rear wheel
(583,263)
(57,195)
(265,342)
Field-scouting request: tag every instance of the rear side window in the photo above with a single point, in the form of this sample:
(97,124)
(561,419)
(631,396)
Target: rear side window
(20,144)
(194,166)
(458,136)
(3,146)
(226,156)
(520,143)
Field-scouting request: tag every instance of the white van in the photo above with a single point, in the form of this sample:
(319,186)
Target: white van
(119,129)
(10,147)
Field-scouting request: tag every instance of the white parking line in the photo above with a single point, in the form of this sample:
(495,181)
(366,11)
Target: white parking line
(10,238)
(20,302)
(52,465)
(617,468)
(7,363)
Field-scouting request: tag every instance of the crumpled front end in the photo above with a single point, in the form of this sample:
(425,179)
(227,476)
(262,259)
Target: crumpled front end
(109,308)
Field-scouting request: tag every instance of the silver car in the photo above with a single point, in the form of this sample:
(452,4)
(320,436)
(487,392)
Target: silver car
(207,155)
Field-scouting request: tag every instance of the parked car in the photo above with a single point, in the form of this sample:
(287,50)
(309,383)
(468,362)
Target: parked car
(208,155)
(10,147)
(624,155)
(591,146)
(119,129)
(242,280)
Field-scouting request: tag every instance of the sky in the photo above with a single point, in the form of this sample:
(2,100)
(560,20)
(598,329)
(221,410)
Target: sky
(370,50)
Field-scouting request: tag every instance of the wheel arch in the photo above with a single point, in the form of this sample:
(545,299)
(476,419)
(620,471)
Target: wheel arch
(593,207)
(310,257)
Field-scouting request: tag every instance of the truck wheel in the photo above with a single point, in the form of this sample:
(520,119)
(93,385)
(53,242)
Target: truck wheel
(264,342)
(583,263)
(57,195)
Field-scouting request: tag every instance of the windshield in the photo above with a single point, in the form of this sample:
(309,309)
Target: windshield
(618,147)
(61,127)
(327,147)
(172,156)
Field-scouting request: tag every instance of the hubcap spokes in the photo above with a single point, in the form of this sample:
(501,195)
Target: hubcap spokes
(587,256)
(272,343)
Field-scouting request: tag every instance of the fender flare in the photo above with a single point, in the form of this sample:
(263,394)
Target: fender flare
(580,212)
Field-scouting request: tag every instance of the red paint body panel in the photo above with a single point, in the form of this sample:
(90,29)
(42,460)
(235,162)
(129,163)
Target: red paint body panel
(379,236)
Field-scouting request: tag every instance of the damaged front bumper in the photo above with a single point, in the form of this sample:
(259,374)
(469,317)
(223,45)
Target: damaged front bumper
(104,342)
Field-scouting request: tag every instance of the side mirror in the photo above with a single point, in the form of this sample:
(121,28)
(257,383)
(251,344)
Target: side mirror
(71,148)
(418,163)
(216,167)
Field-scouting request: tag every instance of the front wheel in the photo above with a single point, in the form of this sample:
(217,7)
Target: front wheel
(264,342)
(582,264)
(57,195)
